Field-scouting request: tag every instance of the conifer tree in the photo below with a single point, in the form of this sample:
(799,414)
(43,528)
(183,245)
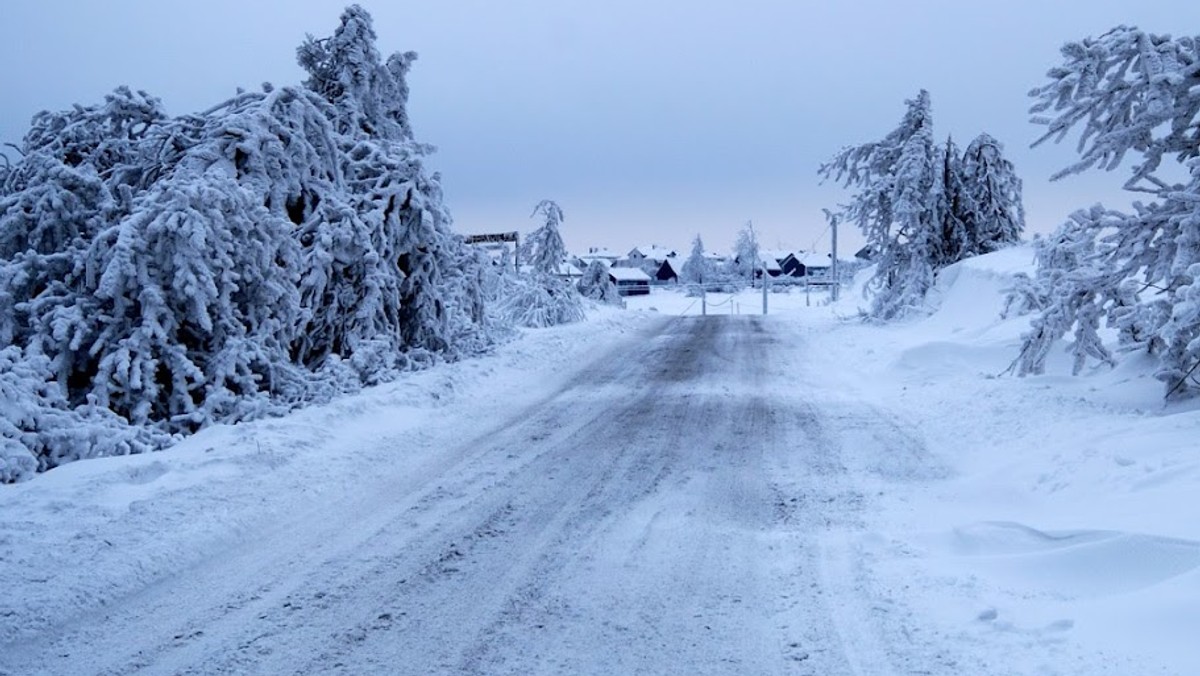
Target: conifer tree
(956,209)
(697,269)
(895,207)
(597,285)
(1129,91)
(544,246)
(994,190)
(747,257)
(544,298)
(278,248)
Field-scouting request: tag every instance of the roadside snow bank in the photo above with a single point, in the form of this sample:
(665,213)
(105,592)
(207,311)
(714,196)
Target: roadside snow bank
(85,534)
(1068,539)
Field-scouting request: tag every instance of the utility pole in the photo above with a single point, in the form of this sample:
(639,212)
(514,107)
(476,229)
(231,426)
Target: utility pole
(833,224)
(765,277)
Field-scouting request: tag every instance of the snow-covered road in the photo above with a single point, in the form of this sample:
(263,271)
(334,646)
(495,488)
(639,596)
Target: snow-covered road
(682,506)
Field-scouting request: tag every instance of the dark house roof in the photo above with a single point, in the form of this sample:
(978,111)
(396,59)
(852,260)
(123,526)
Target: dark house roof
(668,271)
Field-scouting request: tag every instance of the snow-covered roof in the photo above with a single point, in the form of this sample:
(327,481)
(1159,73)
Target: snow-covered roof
(775,254)
(564,270)
(599,253)
(675,265)
(769,261)
(628,275)
(813,260)
(653,252)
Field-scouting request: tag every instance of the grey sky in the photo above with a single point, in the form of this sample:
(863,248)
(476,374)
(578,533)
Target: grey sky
(647,121)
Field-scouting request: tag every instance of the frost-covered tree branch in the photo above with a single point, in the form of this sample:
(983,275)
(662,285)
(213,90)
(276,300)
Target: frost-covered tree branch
(1127,91)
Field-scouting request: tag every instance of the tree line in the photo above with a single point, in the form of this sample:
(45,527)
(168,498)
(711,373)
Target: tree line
(1126,93)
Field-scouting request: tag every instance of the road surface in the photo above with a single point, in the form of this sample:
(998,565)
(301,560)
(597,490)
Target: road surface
(684,506)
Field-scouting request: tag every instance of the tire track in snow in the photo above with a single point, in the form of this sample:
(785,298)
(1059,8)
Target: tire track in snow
(663,514)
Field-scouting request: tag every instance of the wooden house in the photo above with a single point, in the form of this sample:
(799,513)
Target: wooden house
(630,281)
(669,271)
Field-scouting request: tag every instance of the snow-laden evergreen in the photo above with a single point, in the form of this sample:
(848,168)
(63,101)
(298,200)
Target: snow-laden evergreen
(544,248)
(994,190)
(1070,288)
(597,285)
(697,269)
(955,208)
(280,247)
(747,260)
(922,208)
(895,207)
(1128,91)
(543,297)
(538,301)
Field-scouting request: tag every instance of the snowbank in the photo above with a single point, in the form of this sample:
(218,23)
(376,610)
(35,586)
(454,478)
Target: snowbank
(1068,537)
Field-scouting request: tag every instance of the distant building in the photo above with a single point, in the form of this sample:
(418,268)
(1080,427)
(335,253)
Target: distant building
(791,266)
(814,264)
(650,254)
(568,271)
(598,254)
(669,271)
(630,281)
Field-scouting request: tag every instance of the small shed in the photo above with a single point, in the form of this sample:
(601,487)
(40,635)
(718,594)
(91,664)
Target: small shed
(630,281)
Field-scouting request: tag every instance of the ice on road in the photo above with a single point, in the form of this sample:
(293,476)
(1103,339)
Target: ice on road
(684,506)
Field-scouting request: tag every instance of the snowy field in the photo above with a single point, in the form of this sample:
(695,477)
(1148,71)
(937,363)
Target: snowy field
(1053,527)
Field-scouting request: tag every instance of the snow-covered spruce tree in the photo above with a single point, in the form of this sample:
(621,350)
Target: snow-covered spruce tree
(697,269)
(955,208)
(747,260)
(282,246)
(895,207)
(544,248)
(1132,91)
(538,301)
(543,298)
(994,192)
(1071,288)
(598,286)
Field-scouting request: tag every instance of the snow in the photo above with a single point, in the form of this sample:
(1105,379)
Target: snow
(628,275)
(652,252)
(599,254)
(1050,527)
(1068,529)
(813,260)
(83,534)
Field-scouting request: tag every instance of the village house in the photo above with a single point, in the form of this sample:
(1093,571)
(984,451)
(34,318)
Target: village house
(630,281)
(596,254)
(669,271)
(645,255)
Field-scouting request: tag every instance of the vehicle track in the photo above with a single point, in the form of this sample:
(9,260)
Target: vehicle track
(664,514)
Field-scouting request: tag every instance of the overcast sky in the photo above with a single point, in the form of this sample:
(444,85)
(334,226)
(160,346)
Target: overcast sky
(647,121)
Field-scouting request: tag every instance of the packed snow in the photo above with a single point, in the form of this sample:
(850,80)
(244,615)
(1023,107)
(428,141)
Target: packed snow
(1052,529)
